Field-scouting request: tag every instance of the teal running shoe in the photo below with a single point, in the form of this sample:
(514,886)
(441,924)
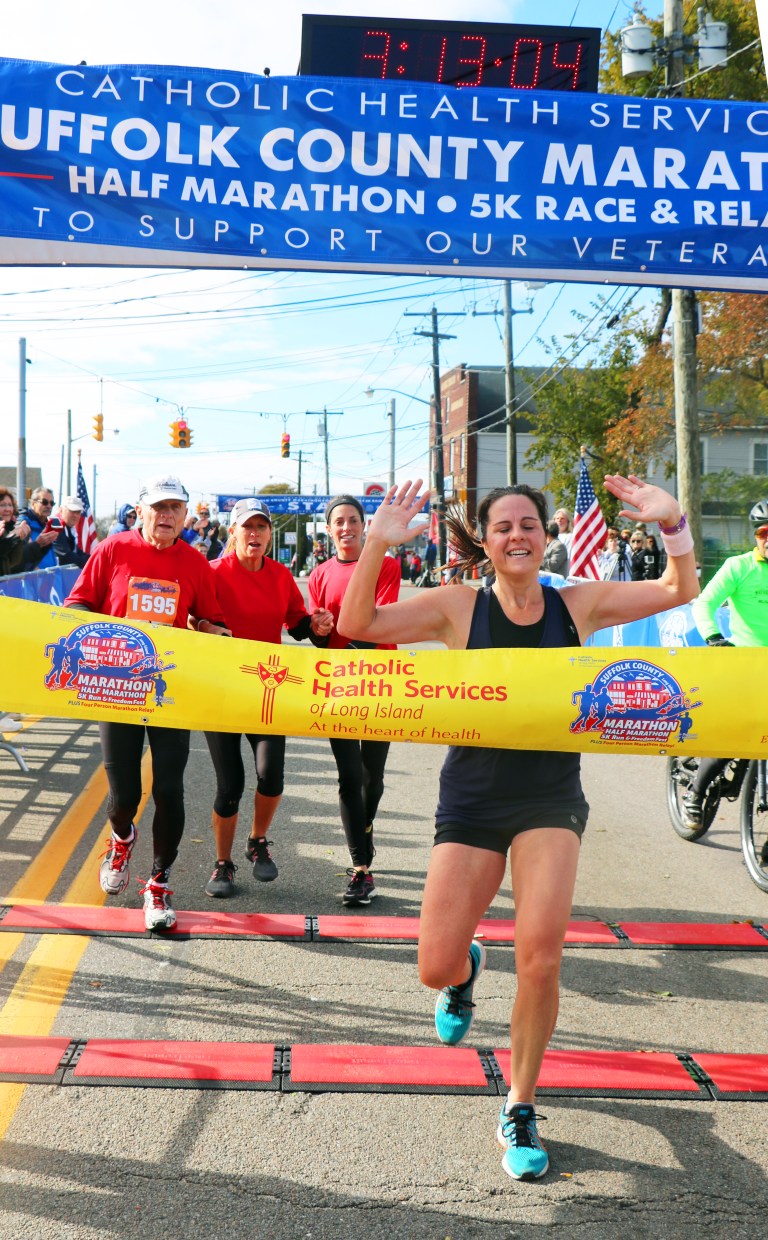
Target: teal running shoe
(525,1157)
(454,1010)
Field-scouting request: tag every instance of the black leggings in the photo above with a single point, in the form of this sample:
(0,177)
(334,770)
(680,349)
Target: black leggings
(361,783)
(121,746)
(269,756)
(709,768)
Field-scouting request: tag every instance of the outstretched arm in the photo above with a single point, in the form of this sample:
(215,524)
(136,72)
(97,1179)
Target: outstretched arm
(595,605)
(433,615)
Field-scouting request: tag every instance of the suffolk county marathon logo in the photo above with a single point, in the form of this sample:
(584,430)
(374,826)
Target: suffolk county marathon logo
(109,663)
(634,701)
(272,675)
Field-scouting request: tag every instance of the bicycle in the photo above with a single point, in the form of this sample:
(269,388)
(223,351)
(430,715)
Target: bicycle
(740,778)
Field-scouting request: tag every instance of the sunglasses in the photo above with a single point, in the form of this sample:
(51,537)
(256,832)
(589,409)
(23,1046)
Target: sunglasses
(761,531)
(45,503)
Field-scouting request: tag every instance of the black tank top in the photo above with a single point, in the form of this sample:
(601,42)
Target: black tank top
(482,785)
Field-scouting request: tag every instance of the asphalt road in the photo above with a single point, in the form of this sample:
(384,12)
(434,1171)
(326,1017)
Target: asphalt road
(83,1162)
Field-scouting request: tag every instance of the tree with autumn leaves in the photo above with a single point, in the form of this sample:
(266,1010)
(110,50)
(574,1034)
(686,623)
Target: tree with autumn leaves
(621,401)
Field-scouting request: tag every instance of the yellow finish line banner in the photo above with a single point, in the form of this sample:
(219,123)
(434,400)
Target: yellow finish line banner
(75,665)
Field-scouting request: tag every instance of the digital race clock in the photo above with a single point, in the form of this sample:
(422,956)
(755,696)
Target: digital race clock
(454,53)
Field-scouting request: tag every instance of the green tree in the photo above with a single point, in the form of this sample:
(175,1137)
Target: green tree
(743,77)
(732,363)
(730,494)
(733,344)
(580,406)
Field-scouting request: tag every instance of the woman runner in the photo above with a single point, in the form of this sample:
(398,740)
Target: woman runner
(498,801)
(258,597)
(360,763)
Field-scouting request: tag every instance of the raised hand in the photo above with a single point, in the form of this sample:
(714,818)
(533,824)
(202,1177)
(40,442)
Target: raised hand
(649,503)
(398,508)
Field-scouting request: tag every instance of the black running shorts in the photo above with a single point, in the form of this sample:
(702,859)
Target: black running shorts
(498,838)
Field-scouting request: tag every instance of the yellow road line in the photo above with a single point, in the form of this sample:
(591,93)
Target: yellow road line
(41,875)
(33,1004)
(85,888)
(8,944)
(27,722)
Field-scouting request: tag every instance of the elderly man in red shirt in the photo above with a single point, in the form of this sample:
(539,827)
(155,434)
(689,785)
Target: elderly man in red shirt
(148,574)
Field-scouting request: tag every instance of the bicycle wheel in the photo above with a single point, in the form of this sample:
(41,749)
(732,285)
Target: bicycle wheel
(680,775)
(754,830)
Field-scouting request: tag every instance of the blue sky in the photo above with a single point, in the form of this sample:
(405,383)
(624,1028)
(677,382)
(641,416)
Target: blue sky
(244,354)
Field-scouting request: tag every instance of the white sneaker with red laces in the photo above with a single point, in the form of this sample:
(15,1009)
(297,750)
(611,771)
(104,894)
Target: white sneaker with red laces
(113,871)
(158,914)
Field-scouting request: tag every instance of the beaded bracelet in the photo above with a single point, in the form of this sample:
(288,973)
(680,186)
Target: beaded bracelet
(675,529)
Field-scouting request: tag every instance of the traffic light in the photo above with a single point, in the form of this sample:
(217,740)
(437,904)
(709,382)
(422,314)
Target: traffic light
(181,434)
(98,427)
(285,444)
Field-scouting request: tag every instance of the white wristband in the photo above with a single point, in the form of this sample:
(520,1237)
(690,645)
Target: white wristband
(678,544)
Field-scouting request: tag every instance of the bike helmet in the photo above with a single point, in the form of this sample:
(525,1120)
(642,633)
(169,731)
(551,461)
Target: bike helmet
(759,514)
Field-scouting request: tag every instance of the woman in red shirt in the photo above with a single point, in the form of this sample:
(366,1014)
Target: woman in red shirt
(360,763)
(258,597)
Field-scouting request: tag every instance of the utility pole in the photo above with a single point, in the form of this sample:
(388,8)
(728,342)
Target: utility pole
(439,466)
(684,323)
(392,442)
(93,496)
(21,464)
(69,452)
(510,395)
(298,519)
(325,414)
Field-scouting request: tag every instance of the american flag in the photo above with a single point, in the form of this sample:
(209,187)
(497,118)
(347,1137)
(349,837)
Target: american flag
(589,530)
(85,530)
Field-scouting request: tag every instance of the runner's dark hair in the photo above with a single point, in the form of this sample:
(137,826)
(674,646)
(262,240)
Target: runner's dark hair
(468,542)
(339,500)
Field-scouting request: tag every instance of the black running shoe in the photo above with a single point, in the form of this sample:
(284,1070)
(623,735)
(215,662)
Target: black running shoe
(221,884)
(693,807)
(257,852)
(360,889)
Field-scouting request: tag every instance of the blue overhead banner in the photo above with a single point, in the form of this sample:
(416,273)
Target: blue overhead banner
(152,166)
(300,505)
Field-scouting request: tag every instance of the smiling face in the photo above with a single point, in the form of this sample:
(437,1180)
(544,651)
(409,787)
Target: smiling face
(346,528)
(515,540)
(761,541)
(162,523)
(252,541)
(7,510)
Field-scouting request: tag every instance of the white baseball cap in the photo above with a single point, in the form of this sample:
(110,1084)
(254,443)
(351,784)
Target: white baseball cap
(155,490)
(72,503)
(244,509)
